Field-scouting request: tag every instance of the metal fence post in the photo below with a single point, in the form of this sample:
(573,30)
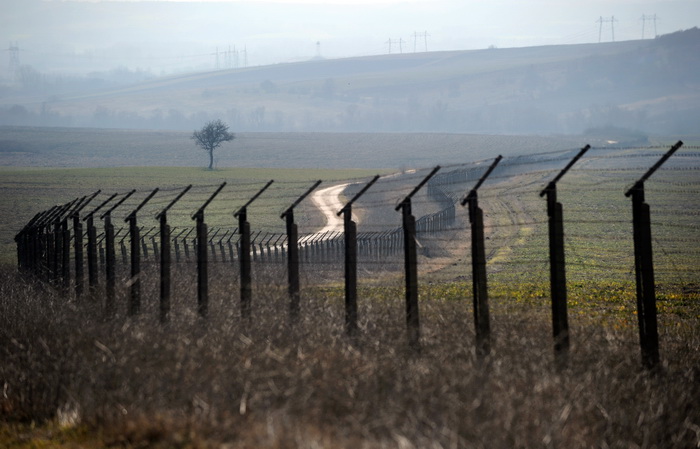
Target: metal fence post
(165,259)
(78,247)
(411,264)
(351,261)
(202,262)
(557,266)
(110,266)
(293,255)
(482,322)
(135,281)
(92,255)
(644,267)
(246,278)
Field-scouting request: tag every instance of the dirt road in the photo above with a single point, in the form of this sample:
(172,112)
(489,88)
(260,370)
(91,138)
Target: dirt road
(329,203)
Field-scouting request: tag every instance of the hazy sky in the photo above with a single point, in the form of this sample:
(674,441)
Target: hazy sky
(166,36)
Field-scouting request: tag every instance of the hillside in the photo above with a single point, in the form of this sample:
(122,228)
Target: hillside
(649,85)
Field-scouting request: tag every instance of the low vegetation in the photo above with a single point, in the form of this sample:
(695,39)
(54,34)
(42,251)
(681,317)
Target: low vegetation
(70,379)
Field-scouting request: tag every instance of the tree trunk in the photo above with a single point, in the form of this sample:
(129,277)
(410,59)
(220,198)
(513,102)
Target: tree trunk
(211,159)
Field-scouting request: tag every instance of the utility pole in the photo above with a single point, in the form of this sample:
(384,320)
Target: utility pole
(14,60)
(601,21)
(393,41)
(424,35)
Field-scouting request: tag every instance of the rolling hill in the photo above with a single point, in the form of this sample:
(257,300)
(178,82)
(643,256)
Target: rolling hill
(648,85)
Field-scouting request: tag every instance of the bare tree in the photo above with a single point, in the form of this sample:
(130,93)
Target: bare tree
(211,136)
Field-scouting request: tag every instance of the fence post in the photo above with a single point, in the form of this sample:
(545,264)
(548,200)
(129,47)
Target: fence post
(110,270)
(482,324)
(78,247)
(644,267)
(60,269)
(25,243)
(411,264)
(202,263)
(93,276)
(165,260)
(293,255)
(135,281)
(246,279)
(350,228)
(65,250)
(557,266)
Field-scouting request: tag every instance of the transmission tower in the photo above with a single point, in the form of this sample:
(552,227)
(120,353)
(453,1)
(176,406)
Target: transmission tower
(394,41)
(14,60)
(601,21)
(644,20)
(416,35)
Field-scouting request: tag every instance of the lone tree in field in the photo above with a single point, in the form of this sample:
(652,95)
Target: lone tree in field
(211,136)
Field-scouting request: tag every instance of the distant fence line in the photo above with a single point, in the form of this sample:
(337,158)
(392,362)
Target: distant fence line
(58,244)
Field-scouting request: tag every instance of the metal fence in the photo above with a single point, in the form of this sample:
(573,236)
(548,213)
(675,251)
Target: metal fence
(64,247)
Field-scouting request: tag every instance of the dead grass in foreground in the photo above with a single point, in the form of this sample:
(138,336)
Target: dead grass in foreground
(71,380)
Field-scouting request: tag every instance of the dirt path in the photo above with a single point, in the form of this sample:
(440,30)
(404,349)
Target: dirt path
(328,202)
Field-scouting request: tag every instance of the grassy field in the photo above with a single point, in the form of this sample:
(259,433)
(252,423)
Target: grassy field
(27,191)
(71,379)
(83,147)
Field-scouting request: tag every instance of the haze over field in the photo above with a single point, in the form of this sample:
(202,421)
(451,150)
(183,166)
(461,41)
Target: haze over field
(502,67)
(169,36)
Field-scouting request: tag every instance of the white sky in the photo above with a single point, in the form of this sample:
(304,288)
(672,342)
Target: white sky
(167,35)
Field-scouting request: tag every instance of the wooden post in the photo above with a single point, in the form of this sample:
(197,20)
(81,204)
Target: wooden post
(644,267)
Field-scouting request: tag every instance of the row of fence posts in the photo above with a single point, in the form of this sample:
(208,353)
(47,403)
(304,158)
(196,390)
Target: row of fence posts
(47,254)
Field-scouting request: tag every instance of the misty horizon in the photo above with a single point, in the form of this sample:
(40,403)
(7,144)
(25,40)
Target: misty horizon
(166,37)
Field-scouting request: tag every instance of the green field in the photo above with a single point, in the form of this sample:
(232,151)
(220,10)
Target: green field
(73,380)
(27,191)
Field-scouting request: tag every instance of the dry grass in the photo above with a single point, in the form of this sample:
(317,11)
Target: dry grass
(268,384)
